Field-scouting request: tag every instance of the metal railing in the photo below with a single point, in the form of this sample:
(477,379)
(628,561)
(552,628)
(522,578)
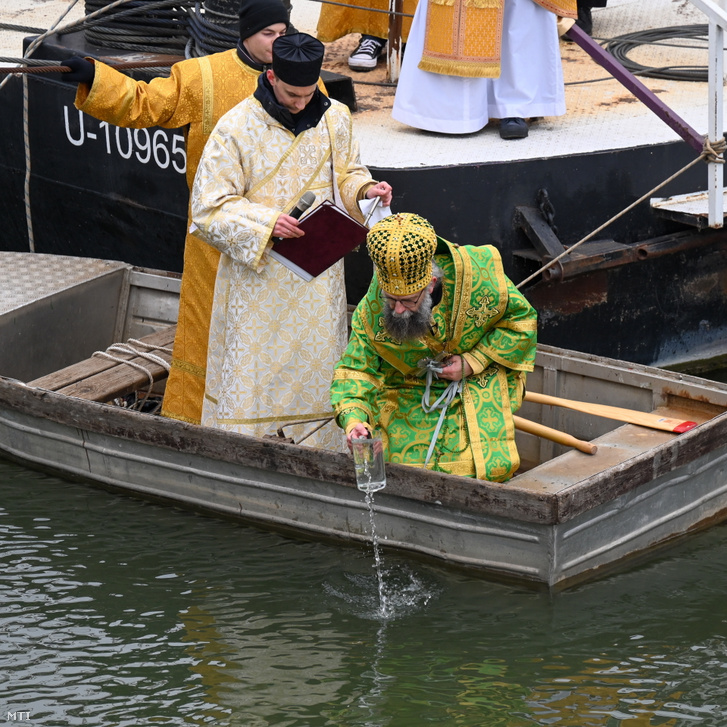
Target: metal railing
(716,12)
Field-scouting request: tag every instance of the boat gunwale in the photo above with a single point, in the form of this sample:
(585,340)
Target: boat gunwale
(505,500)
(428,487)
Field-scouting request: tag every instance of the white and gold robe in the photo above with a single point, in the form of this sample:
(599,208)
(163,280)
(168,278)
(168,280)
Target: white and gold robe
(530,83)
(274,338)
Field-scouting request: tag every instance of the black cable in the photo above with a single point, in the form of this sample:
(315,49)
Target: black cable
(622,45)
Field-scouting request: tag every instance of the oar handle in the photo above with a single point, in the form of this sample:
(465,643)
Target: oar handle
(555,435)
(632,416)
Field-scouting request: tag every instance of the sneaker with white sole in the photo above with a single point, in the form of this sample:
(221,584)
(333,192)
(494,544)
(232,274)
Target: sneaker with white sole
(366,56)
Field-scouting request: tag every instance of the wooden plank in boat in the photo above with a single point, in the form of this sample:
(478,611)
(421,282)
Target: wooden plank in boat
(101,379)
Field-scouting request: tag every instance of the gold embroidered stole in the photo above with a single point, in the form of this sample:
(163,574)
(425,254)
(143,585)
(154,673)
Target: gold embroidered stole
(464,37)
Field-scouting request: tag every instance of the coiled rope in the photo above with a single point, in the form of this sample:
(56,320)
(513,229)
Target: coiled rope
(214,26)
(151,26)
(129,349)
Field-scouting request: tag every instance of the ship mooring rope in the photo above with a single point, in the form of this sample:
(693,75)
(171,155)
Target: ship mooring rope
(26,183)
(58,67)
(20,28)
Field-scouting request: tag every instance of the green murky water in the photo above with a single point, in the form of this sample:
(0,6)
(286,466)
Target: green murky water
(119,612)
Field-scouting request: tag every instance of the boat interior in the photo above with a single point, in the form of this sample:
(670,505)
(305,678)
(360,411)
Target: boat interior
(103,331)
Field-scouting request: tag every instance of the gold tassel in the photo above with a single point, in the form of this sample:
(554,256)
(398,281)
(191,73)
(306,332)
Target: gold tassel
(496,4)
(460,68)
(449,3)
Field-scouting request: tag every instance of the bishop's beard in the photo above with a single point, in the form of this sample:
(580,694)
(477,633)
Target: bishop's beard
(410,324)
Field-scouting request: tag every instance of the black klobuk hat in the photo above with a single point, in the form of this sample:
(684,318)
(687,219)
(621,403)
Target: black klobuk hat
(297,59)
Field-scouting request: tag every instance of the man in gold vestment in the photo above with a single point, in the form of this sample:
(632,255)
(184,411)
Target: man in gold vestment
(195,96)
(274,338)
(438,355)
(469,61)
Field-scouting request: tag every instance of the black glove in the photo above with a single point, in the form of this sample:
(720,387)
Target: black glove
(82,71)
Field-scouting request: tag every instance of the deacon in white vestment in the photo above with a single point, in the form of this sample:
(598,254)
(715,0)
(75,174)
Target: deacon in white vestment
(530,83)
(275,338)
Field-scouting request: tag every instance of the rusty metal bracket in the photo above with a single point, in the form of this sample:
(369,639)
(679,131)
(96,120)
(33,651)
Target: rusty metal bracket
(539,232)
(597,255)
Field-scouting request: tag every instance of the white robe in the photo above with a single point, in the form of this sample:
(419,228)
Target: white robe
(530,83)
(274,338)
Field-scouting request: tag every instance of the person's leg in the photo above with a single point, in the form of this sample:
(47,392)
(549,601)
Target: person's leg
(434,101)
(585,19)
(367,54)
(531,79)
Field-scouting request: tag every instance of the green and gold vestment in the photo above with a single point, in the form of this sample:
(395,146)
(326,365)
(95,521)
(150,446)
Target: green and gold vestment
(481,316)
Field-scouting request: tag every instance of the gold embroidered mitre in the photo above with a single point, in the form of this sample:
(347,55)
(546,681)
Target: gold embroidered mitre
(402,247)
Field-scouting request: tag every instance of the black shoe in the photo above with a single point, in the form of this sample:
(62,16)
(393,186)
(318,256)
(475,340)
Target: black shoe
(585,21)
(513,128)
(367,55)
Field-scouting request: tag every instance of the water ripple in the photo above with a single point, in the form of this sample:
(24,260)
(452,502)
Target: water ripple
(119,612)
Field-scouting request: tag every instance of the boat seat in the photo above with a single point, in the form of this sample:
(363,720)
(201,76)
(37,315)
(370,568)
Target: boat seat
(100,379)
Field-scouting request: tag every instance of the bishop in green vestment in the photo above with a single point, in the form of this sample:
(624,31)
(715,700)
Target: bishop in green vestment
(438,355)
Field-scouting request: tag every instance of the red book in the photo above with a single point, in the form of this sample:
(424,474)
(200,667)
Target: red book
(330,233)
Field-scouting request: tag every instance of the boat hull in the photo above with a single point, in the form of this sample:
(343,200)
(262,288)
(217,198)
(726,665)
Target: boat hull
(523,531)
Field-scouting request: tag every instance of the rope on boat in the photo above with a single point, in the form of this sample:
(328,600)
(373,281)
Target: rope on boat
(712,153)
(129,350)
(324,420)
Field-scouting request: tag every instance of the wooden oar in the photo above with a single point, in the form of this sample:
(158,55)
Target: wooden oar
(631,416)
(555,435)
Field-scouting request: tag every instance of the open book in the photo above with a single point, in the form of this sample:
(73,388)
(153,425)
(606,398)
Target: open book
(330,233)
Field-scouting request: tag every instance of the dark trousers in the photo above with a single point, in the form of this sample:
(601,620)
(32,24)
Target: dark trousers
(585,22)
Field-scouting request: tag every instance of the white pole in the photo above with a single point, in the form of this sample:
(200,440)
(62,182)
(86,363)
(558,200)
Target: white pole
(715,172)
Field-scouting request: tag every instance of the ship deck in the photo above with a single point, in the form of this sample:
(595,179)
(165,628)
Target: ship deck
(601,115)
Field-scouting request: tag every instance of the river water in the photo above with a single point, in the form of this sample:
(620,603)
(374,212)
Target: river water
(121,612)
